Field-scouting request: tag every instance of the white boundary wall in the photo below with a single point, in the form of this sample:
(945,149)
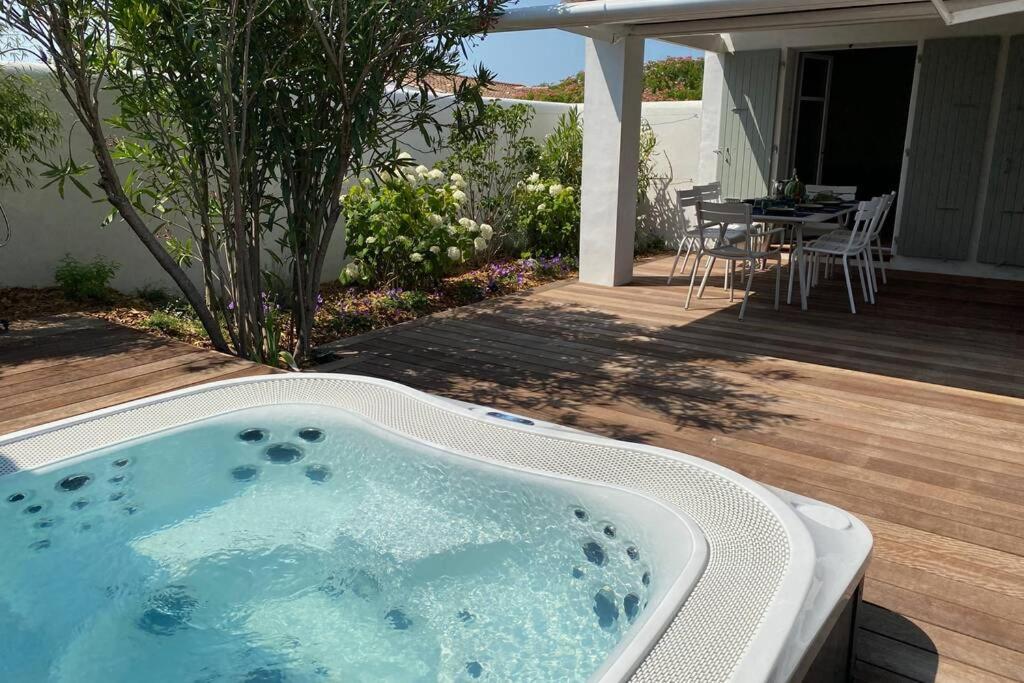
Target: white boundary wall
(46,227)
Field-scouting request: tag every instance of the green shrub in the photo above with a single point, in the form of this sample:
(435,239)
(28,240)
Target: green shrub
(492,157)
(176,319)
(409,230)
(561,155)
(549,217)
(85,281)
(547,204)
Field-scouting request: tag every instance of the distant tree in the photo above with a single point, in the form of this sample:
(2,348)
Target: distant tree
(239,123)
(674,78)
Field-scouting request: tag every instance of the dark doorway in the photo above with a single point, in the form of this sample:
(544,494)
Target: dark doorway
(850,119)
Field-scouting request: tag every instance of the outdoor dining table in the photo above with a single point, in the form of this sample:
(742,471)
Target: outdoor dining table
(795,220)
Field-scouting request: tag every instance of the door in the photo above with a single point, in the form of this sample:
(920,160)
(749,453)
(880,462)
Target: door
(944,161)
(1002,233)
(748,122)
(814,83)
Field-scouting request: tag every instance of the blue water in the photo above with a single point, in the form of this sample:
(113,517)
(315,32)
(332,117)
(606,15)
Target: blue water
(298,544)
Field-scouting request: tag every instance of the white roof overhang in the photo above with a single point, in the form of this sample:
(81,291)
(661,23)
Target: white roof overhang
(701,23)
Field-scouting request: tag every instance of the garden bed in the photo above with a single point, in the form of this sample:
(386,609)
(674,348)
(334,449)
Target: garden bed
(344,310)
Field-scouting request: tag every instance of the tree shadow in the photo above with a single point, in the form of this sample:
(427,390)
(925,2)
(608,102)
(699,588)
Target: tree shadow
(579,367)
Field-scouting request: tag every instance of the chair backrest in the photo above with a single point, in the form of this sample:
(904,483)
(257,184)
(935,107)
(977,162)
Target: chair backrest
(863,221)
(712,192)
(888,200)
(714,218)
(845,192)
(686,202)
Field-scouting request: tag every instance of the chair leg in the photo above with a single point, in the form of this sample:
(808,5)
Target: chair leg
(778,279)
(866,255)
(746,292)
(849,285)
(707,272)
(679,251)
(872,280)
(794,262)
(881,261)
(863,280)
(693,279)
(732,281)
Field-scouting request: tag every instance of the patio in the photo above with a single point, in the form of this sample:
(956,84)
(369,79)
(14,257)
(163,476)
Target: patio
(909,414)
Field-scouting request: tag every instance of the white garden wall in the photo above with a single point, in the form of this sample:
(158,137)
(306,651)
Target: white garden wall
(46,227)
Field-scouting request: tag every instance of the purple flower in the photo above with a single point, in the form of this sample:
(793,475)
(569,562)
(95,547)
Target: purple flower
(231,305)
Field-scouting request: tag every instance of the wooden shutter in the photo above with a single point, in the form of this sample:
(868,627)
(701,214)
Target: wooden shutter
(954,96)
(1002,234)
(748,122)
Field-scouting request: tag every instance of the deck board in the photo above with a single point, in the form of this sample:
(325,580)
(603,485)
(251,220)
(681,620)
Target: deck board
(61,366)
(909,414)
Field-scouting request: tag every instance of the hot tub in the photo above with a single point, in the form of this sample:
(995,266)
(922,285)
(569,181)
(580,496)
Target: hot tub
(329,527)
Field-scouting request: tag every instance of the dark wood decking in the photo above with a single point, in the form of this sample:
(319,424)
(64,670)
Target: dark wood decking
(910,415)
(62,366)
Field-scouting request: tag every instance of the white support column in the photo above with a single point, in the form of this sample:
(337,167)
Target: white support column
(611,152)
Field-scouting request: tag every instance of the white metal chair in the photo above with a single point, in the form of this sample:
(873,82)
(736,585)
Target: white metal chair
(685,201)
(873,237)
(876,238)
(713,219)
(845,244)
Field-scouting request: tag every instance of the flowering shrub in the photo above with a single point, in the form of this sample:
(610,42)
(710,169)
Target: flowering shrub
(408,230)
(548,217)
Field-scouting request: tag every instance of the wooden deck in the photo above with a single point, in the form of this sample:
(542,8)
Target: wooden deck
(909,414)
(61,366)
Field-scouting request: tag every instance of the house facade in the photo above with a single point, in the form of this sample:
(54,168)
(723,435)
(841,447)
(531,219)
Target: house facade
(926,98)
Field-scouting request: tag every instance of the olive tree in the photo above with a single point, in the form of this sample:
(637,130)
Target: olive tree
(240,122)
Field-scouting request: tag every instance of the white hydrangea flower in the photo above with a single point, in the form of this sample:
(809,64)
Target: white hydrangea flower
(454,253)
(412,179)
(534,177)
(352,270)
(479,244)
(472,226)
(459,196)
(422,170)
(402,156)
(434,249)
(464,222)
(486,231)
(457,178)
(435,220)
(371,239)
(542,207)
(385,176)
(415,257)
(435,174)
(452,230)
(555,190)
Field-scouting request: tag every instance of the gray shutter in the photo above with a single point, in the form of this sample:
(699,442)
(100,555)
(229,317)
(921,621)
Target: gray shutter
(1002,236)
(954,97)
(748,122)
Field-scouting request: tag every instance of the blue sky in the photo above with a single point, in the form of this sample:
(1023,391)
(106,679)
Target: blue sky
(534,57)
